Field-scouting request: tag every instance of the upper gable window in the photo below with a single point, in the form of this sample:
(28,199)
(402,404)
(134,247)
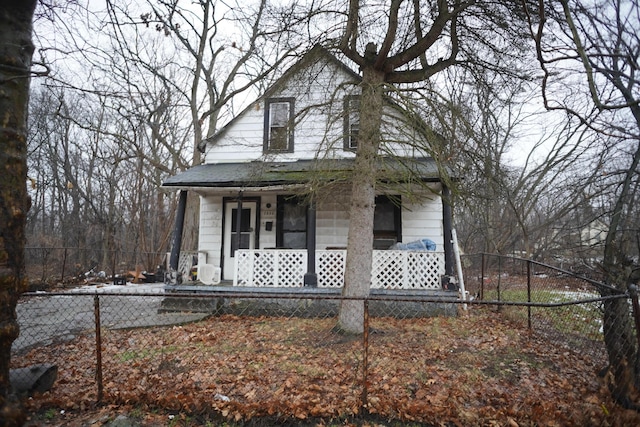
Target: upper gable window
(278,125)
(351,122)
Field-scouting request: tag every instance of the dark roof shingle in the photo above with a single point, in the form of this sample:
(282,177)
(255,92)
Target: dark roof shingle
(264,174)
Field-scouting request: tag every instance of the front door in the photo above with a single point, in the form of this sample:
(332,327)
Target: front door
(246,232)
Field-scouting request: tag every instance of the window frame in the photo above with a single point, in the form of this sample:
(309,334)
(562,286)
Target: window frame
(282,200)
(396,202)
(267,147)
(348,124)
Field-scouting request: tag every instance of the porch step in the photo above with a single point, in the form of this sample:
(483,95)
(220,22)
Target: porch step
(175,304)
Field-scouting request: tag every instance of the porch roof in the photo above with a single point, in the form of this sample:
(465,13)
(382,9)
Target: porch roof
(265,174)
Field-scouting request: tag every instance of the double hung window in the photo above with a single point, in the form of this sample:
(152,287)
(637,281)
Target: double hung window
(351,122)
(278,125)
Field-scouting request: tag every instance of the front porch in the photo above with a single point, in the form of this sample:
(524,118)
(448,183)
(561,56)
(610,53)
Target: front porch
(272,281)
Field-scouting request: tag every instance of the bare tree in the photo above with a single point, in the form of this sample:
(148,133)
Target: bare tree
(597,45)
(16,52)
(159,73)
(218,66)
(400,44)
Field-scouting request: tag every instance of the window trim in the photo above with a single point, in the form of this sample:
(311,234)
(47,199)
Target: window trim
(347,125)
(396,202)
(267,125)
(281,201)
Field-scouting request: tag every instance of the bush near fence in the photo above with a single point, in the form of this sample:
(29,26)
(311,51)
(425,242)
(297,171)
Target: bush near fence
(484,365)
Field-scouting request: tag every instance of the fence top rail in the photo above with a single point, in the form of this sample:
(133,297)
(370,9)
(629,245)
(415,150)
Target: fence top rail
(453,299)
(597,284)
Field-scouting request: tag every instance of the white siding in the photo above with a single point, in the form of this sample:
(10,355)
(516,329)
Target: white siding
(319,93)
(267,214)
(332,221)
(242,141)
(423,220)
(210,234)
(318,127)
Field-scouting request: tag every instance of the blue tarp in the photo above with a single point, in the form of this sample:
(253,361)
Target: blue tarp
(418,245)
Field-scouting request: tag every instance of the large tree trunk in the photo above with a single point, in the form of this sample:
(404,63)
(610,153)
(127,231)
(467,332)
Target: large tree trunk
(16,50)
(619,337)
(621,347)
(357,279)
(191,224)
(623,377)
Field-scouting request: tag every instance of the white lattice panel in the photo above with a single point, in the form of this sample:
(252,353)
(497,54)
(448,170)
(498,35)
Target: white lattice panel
(278,268)
(390,269)
(185,261)
(243,268)
(424,270)
(290,267)
(330,268)
(265,268)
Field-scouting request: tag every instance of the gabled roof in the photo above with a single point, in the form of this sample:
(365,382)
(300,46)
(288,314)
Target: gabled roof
(311,56)
(266,174)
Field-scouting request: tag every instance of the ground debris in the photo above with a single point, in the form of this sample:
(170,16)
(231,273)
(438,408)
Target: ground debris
(478,369)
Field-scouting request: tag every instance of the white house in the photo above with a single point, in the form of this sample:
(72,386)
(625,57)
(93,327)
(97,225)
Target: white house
(258,224)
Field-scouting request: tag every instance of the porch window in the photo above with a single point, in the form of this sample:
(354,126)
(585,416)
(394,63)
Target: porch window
(245,230)
(387,228)
(278,125)
(351,122)
(292,223)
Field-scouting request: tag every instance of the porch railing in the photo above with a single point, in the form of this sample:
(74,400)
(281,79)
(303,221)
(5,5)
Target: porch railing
(286,268)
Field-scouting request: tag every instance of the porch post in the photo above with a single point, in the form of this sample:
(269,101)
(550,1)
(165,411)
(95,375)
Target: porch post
(177,232)
(311,278)
(447,282)
(238,221)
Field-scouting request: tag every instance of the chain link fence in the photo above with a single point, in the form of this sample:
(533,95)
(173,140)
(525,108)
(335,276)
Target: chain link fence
(567,308)
(527,347)
(55,267)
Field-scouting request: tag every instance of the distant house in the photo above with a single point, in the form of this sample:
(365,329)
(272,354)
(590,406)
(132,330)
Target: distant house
(256,219)
(594,233)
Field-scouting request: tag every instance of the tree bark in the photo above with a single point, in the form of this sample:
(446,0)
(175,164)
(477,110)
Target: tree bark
(16,50)
(360,239)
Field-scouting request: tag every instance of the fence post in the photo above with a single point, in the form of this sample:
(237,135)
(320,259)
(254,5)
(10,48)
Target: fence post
(365,353)
(64,264)
(499,279)
(529,291)
(96,312)
(113,263)
(482,277)
(633,292)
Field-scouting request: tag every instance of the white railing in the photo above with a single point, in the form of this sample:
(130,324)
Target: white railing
(286,268)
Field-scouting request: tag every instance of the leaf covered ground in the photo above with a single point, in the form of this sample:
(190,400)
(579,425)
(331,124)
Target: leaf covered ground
(480,368)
